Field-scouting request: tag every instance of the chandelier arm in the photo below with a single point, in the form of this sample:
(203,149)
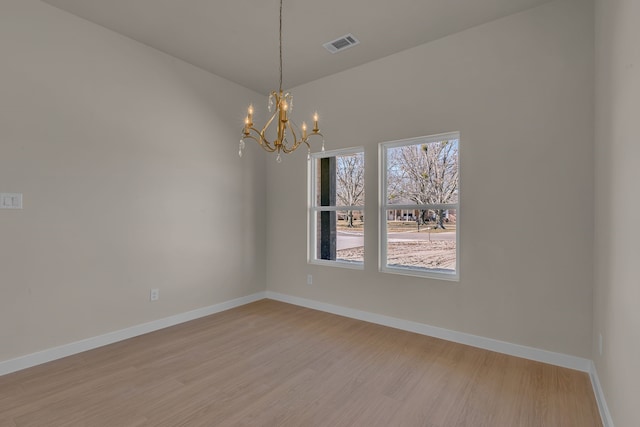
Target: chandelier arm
(269,148)
(266,126)
(289,150)
(312,134)
(296,143)
(263,143)
(318,134)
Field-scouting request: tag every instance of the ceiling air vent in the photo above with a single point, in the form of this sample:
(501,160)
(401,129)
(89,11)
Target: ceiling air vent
(342,43)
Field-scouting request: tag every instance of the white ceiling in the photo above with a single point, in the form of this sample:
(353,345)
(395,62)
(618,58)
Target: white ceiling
(238,39)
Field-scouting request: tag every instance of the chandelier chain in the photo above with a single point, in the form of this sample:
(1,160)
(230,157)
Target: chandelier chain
(280,45)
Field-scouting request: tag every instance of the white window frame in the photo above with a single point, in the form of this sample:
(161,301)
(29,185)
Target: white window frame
(384,206)
(313,209)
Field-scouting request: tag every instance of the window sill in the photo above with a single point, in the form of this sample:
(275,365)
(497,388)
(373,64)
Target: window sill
(353,265)
(424,273)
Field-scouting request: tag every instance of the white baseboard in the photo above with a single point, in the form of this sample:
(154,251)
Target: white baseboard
(607,421)
(48,355)
(558,359)
(531,353)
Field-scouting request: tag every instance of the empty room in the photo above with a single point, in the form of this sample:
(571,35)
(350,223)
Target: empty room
(305,213)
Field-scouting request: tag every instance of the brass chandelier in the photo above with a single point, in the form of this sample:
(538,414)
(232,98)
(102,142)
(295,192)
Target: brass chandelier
(287,139)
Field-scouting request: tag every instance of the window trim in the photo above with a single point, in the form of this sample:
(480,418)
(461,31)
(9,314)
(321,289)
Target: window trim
(312,209)
(383,267)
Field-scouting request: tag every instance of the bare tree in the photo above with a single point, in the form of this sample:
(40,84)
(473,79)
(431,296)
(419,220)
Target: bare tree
(425,174)
(350,181)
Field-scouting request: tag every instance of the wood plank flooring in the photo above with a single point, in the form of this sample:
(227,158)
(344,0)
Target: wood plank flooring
(275,364)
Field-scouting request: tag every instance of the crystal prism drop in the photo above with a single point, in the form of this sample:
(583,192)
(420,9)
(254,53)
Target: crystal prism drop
(309,154)
(240,153)
(289,98)
(270,103)
(322,144)
(279,159)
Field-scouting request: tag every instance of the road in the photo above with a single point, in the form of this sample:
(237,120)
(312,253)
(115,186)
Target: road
(348,239)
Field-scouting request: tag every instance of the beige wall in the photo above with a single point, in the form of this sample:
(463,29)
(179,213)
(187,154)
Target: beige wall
(520,91)
(128,162)
(617,249)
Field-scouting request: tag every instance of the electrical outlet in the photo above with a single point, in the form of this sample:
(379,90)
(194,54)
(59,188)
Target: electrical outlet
(154,295)
(309,279)
(10,200)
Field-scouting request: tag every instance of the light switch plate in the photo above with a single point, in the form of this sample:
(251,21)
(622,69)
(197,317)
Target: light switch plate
(10,200)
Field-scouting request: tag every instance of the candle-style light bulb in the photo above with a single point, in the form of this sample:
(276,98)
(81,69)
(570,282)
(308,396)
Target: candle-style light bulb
(304,130)
(315,122)
(283,110)
(247,125)
(249,120)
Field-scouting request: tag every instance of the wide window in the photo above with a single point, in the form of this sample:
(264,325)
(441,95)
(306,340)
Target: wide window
(419,206)
(336,208)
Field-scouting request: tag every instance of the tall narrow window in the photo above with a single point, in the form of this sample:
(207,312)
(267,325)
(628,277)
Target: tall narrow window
(336,208)
(419,206)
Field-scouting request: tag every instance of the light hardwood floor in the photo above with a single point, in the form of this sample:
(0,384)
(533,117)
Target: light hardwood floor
(275,364)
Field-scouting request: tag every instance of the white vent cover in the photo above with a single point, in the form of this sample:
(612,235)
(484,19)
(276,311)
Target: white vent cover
(342,43)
